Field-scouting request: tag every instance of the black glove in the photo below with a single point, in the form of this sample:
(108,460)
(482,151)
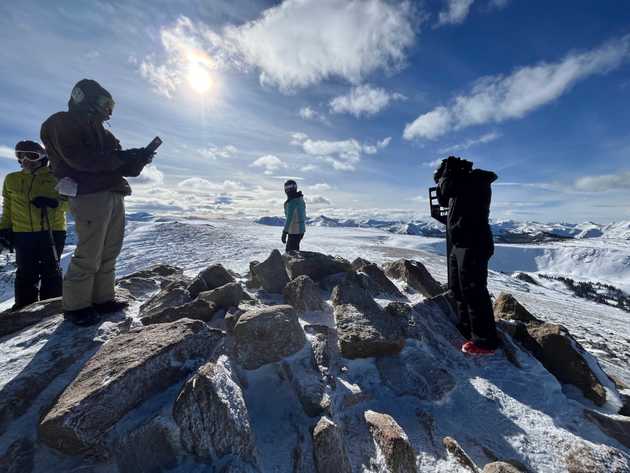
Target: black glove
(284,237)
(42,202)
(6,238)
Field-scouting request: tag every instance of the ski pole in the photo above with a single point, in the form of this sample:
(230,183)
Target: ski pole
(50,235)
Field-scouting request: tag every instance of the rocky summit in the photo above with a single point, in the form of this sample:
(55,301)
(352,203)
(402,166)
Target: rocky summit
(308,364)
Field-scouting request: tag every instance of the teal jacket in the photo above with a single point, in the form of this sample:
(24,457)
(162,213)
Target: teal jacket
(295,214)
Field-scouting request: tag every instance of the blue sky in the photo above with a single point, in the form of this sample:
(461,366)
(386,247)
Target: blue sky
(357,99)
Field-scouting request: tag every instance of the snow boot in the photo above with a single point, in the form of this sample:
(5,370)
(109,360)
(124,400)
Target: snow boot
(82,317)
(110,307)
(471,349)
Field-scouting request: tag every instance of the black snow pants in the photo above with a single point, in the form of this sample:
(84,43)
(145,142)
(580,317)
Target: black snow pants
(468,270)
(38,276)
(293,242)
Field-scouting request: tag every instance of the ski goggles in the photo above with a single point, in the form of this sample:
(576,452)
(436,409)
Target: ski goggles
(105,105)
(32,156)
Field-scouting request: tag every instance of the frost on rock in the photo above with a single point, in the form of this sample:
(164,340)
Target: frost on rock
(329,449)
(211,414)
(392,441)
(415,275)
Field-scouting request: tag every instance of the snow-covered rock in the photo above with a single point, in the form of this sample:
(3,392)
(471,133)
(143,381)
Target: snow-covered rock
(303,294)
(329,449)
(271,274)
(267,335)
(314,265)
(392,442)
(381,283)
(226,296)
(210,278)
(415,275)
(124,372)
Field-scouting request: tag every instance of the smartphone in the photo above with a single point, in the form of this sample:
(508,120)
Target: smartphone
(154,145)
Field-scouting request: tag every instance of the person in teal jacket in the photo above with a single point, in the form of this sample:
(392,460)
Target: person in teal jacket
(295,215)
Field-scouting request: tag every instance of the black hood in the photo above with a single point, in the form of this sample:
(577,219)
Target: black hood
(295,195)
(487,176)
(85,94)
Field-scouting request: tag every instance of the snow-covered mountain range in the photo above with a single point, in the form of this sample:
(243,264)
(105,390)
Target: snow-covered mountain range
(505,231)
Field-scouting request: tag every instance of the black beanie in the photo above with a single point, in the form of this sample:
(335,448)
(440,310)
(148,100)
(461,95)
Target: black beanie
(85,93)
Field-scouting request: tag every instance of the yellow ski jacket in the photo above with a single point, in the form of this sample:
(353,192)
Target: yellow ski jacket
(20,188)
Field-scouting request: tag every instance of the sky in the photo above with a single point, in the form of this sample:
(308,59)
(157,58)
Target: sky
(358,100)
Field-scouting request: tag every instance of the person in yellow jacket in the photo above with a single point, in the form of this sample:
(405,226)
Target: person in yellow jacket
(34,223)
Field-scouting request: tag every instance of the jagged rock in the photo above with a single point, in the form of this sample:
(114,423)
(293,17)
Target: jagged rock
(625,407)
(323,343)
(126,371)
(501,467)
(565,359)
(303,294)
(585,459)
(363,328)
(142,282)
(314,265)
(210,278)
(392,441)
(228,295)
(380,282)
(18,458)
(617,427)
(506,307)
(64,346)
(455,449)
(329,451)
(150,448)
(307,383)
(211,414)
(415,275)
(11,322)
(267,335)
(415,372)
(171,296)
(526,278)
(195,310)
(231,318)
(271,274)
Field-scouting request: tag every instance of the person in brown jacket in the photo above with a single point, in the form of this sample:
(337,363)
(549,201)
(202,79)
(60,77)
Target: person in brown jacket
(91,167)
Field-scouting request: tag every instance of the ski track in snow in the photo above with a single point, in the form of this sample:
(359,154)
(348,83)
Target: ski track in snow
(523,415)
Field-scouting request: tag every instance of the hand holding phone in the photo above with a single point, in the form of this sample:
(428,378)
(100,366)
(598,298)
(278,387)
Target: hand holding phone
(154,145)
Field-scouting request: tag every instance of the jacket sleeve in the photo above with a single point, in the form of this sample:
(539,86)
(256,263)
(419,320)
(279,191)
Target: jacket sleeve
(67,141)
(288,213)
(302,216)
(7,217)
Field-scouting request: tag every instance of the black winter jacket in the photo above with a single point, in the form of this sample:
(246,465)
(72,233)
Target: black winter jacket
(468,197)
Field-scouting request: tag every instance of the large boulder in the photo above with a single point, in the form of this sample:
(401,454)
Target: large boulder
(563,357)
(226,296)
(212,417)
(307,383)
(617,427)
(501,467)
(173,295)
(415,275)
(506,307)
(380,282)
(303,294)
(195,310)
(314,265)
(14,321)
(459,454)
(210,278)
(329,451)
(125,372)
(364,329)
(151,447)
(583,458)
(392,441)
(271,274)
(148,280)
(266,335)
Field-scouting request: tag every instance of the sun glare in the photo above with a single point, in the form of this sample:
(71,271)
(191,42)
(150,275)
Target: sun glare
(198,77)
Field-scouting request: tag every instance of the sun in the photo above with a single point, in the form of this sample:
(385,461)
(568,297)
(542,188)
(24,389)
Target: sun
(198,77)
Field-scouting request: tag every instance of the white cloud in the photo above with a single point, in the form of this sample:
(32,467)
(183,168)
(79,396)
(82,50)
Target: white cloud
(603,182)
(317,200)
(307,113)
(270,163)
(342,155)
(7,152)
(150,176)
(363,100)
(322,186)
(308,168)
(199,184)
(433,164)
(215,152)
(293,45)
(455,12)
(485,138)
(499,4)
(499,98)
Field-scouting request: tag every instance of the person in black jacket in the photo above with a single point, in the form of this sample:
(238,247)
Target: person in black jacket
(467,194)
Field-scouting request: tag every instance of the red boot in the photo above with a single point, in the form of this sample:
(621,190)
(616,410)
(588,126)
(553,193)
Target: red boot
(471,349)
